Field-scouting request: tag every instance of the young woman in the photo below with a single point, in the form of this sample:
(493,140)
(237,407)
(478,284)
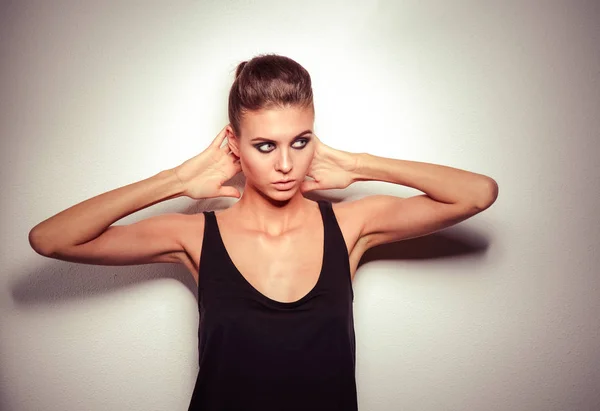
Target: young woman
(275,270)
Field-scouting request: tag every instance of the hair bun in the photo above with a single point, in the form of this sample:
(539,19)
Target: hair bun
(239,69)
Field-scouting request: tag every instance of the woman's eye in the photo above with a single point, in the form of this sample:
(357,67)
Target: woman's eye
(304,143)
(259,147)
(300,146)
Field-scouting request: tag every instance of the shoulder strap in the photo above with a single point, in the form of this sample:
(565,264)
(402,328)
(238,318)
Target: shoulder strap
(336,247)
(209,217)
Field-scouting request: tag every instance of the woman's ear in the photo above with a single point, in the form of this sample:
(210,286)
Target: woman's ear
(233,141)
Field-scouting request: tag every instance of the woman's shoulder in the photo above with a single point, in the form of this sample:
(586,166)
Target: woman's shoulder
(193,228)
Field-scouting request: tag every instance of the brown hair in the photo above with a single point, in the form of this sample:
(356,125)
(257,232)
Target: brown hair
(268,81)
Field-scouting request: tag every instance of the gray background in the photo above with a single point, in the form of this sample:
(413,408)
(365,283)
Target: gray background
(497,313)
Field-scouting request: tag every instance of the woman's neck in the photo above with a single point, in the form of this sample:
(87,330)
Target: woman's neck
(270,216)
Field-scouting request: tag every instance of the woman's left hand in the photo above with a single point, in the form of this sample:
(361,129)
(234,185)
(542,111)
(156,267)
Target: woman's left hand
(330,168)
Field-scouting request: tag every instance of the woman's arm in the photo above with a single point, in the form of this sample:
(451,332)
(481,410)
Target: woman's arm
(451,196)
(82,233)
(441,183)
(87,220)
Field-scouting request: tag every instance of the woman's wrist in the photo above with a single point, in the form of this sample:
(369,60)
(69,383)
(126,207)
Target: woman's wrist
(361,170)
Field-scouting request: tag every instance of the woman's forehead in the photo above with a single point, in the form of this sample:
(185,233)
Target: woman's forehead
(277,123)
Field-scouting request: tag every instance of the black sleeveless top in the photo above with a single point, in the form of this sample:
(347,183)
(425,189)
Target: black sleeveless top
(260,354)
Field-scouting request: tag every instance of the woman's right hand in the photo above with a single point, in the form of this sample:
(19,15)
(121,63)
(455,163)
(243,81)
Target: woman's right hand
(203,176)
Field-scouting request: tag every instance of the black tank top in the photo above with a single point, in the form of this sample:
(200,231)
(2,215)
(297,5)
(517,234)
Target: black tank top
(256,353)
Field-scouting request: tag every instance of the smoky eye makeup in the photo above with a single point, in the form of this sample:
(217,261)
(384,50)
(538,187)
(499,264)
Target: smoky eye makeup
(303,140)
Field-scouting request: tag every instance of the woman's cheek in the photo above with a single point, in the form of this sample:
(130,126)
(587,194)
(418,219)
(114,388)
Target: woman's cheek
(307,160)
(251,166)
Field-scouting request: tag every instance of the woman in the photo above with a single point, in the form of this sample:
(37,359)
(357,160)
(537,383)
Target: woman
(275,270)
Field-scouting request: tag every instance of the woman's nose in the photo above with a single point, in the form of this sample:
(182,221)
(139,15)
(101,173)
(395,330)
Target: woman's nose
(284,162)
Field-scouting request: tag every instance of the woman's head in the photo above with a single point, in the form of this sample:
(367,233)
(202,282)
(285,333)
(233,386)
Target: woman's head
(271,114)
(268,81)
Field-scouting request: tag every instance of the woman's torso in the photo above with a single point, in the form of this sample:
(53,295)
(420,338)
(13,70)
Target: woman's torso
(280,335)
(283,268)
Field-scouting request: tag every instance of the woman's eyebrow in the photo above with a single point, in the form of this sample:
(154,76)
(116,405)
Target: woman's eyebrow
(299,135)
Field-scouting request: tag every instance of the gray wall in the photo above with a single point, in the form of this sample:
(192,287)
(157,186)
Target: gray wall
(498,313)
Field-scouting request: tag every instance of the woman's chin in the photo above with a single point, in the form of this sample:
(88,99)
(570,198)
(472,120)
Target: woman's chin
(280,194)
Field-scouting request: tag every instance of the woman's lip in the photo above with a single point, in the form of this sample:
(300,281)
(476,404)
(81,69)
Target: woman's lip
(289,184)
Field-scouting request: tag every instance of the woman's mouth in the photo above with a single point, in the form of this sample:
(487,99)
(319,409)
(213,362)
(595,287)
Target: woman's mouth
(284,186)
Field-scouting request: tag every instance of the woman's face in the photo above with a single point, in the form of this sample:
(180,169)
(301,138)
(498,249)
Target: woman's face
(275,145)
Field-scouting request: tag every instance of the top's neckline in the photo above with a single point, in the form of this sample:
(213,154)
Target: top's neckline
(281,304)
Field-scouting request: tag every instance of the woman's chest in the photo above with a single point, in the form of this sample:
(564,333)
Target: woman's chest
(283,268)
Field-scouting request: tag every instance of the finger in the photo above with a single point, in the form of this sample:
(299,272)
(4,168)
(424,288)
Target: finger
(309,186)
(228,191)
(220,137)
(238,166)
(231,156)
(227,149)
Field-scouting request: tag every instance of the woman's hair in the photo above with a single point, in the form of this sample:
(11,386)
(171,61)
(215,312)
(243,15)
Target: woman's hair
(268,81)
